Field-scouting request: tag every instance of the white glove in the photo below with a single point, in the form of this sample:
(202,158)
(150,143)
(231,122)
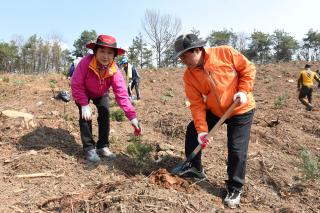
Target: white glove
(202,139)
(136,126)
(86,112)
(242,96)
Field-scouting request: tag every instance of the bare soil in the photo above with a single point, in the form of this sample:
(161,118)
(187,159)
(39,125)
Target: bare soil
(67,183)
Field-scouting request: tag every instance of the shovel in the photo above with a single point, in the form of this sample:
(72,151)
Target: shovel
(176,170)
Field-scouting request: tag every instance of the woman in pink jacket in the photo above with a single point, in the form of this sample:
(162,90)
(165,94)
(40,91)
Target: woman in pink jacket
(93,77)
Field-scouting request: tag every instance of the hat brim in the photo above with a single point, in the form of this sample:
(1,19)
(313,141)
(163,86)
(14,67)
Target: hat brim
(92,45)
(198,44)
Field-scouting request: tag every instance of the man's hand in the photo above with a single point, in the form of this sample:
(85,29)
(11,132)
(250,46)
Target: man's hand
(242,96)
(202,139)
(136,126)
(86,113)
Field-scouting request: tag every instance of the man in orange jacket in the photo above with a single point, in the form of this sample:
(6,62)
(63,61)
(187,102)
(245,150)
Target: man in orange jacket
(213,79)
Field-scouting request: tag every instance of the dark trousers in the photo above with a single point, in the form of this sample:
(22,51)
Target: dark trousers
(88,142)
(305,92)
(238,132)
(134,84)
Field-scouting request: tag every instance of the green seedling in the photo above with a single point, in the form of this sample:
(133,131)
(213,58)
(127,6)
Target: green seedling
(117,115)
(5,79)
(280,101)
(52,83)
(310,165)
(138,151)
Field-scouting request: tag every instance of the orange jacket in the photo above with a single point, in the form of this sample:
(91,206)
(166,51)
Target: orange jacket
(226,72)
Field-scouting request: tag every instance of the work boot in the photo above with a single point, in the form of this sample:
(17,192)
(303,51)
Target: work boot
(105,152)
(232,200)
(309,107)
(92,156)
(192,172)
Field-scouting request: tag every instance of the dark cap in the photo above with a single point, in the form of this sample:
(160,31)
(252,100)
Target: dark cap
(307,66)
(186,42)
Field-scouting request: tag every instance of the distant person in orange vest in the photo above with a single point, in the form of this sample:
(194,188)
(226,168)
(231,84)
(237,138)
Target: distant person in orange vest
(214,79)
(305,86)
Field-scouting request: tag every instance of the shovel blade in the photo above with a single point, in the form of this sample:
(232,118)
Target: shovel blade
(179,168)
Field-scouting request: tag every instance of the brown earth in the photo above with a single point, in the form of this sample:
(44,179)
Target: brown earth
(67,183)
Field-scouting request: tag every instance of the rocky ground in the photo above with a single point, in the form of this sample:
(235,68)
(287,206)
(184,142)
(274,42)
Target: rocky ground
(43,168)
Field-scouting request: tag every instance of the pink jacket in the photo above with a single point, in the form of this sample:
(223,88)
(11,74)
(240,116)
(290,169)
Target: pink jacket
(85,85)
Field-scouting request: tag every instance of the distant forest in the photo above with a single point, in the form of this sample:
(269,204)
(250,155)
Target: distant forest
(154,48)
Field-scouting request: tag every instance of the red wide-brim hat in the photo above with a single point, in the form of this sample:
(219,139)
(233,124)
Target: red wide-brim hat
(106,41)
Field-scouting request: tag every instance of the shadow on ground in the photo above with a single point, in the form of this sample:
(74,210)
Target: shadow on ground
(43,137)
(125,164)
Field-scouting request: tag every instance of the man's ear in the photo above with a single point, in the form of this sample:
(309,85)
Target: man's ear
(197,50)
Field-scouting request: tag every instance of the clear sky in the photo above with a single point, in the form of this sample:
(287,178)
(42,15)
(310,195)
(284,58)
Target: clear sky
(122,18)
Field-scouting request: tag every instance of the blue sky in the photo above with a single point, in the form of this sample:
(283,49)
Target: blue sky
(122,18)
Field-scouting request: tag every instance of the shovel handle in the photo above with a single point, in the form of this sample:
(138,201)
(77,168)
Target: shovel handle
(210,134)
(214,129)
(223,118)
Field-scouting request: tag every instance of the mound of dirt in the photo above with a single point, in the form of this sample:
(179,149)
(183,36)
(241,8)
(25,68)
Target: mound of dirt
(165,179)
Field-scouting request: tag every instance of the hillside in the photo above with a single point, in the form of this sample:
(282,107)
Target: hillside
(281,128)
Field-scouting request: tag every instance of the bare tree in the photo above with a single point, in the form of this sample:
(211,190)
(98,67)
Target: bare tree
(241,42)
(56,42)
(161,31)
(195,31)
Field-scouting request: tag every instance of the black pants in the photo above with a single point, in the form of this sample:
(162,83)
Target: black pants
(88,142)
(134,84)
(238,132)
(305,92)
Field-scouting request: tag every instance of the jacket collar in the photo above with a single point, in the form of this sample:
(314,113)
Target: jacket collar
(110,70)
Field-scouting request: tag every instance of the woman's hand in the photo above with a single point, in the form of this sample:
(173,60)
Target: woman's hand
(136,126)
(86,113)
